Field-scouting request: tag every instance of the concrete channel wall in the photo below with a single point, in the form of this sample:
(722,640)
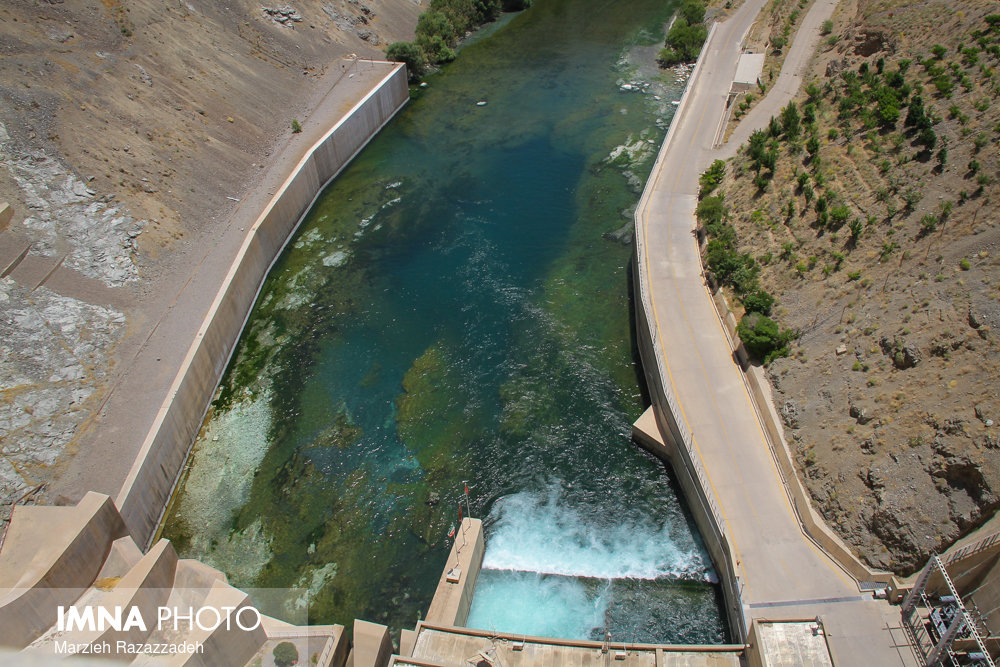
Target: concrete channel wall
(157,467)
(680,450)
(453,597)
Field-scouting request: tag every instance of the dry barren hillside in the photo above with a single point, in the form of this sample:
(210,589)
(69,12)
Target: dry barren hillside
(869,210)
(128,130)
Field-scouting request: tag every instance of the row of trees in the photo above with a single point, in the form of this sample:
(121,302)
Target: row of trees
(441,27)
(761,335)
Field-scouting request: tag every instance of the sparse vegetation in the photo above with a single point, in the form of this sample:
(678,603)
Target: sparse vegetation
(711,178)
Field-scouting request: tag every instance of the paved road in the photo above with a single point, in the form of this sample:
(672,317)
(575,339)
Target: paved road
(785,574)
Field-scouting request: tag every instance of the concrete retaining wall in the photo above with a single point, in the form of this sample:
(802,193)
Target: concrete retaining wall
(157,467)
(811,522)
(677,449)
(52,555)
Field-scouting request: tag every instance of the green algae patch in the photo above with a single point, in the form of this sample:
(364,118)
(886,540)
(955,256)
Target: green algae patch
(341,435)
(427,409)
(437,422)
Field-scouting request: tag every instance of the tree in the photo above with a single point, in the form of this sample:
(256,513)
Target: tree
(693,11)
(758,301)
(888,107)
(436,49)
(683,42)
(762,337)
(434,23)
(409,54)
(285,654)
(756,145)
(791,121)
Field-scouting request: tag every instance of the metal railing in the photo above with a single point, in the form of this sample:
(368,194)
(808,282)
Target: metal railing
(974,548)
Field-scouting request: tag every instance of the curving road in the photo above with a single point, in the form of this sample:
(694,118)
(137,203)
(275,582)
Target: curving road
(785,575)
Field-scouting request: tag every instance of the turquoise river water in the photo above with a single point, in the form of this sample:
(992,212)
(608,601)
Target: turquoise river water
(455,307)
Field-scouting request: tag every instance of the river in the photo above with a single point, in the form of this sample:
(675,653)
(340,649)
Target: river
(455,309)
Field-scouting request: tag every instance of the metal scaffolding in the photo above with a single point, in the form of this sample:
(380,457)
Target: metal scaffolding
(942,629)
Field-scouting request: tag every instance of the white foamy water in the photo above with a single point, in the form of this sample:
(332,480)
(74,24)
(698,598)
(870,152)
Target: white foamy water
(539,533)
(540,605)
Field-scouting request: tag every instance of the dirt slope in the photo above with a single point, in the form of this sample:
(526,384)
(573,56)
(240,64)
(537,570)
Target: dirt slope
(127,129)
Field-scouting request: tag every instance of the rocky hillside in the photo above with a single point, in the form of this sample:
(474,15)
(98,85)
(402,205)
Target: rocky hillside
(868,209)
(127,130)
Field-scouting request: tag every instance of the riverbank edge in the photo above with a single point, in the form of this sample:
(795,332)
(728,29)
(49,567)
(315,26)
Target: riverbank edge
(152,479)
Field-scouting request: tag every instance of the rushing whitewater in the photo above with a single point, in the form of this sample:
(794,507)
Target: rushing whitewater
(542,534)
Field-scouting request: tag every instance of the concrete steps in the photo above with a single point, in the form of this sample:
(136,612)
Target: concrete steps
(82,557)
(51,555)
(146,586)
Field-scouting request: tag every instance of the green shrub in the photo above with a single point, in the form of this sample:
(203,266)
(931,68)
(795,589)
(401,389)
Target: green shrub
(839,215)
(928,224)
(285,654)
(693,11)
(711,178)
(758,301)
(410,54)
(827,27)
(762,337)
(296,126)
(711,211)
(856,229)
(683,43)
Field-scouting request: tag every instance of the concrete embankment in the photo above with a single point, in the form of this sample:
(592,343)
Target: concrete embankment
(678,447)
(157,467)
